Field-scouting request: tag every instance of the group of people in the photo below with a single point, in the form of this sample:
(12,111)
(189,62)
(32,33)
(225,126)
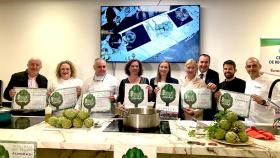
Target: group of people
(198,75)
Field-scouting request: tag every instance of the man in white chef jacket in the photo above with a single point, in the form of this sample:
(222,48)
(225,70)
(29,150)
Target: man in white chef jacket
(257,85)
(102,84)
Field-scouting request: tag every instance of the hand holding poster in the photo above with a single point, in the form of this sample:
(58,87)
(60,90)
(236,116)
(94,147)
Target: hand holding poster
(136,95)
(97,101)
(236,102)
(63,98)
(196,98)
(30,98)
(167,100)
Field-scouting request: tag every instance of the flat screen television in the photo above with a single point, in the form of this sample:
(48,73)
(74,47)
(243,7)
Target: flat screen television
(150,33)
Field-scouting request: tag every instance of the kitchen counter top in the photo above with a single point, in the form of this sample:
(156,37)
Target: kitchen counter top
(174,143)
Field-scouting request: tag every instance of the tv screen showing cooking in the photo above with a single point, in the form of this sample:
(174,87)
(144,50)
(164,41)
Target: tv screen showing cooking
(150,33)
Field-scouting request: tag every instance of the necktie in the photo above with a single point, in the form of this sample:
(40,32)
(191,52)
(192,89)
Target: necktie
(201,76)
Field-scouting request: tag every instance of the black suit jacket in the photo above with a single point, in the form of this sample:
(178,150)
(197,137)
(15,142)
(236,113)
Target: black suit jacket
(20,79)
(213,77)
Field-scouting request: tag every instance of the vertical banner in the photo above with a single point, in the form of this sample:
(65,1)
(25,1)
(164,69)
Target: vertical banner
(270,60)
(270,55)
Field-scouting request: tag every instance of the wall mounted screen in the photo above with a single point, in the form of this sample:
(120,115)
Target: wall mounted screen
(150,33)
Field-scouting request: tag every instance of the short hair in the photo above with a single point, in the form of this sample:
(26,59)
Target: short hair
(254,59)
(34,59)
(126,69)
(158,78)
(205,55)
(230,62)
(72,67)
(191,61)
(97,60)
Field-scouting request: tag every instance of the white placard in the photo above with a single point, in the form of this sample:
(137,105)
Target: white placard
(172,104)
(103,103)
(202,98)
(140,95)
(30,98)
(120,150)
(240,105)
(69,97)
(19,149)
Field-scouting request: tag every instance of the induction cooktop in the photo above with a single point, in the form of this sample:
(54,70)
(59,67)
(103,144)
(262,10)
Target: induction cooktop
(117,126)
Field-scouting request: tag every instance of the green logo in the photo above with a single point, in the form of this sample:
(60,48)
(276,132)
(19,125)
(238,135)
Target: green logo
(22,98)
(136,95)
(3,152)
(89,102)
(134,153)
(168,94)
(190,97)
(226,101)
(56,99)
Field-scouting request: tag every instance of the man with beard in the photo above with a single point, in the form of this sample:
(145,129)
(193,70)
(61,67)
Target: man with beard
(231,82)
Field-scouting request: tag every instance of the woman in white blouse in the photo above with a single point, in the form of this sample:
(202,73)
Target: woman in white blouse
(66,77)
(191,80)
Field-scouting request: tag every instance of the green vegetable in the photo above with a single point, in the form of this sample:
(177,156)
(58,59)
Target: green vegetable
(232,137)
(83,114)
(88,122)
(70,114)
(225,124)
(77,122)
(191,133)
(220,134)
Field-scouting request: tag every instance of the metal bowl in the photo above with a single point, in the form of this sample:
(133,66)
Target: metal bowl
(141,118)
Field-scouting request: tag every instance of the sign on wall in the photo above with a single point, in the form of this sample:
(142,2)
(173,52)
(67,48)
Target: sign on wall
(270,55)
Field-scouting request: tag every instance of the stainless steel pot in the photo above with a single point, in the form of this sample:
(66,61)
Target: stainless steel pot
(141,118)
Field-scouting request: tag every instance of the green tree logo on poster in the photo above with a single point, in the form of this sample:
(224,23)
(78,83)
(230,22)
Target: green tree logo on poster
(190,97)
(3,152)
(168,94)
(56,100)
(134,153)
(136,95)
(89,102)
(226,101)
(22,98)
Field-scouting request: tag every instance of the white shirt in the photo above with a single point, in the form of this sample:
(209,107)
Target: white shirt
(61,83)
(100,83)
(260,86)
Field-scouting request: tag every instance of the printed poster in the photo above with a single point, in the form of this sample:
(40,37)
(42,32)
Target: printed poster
(167,100)
(136,95)
(17,149)
(134,151)
(196,98)
(30,98)
(234,101)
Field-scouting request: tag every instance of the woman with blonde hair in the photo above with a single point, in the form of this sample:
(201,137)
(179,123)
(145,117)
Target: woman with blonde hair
(66,77)
(191,80)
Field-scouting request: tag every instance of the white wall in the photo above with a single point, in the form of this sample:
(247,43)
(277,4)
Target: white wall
(57,30)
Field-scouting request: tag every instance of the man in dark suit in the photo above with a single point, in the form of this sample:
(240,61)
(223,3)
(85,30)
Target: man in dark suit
(28,78)
(211,79)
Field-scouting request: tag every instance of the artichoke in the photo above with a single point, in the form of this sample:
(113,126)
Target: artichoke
(220,134)
(53,121)
(70,114)
(231,117)
(225,124)
(232,137)
(77,123)
(83,114)
(243,136)
(238,126)
(66,123)
(88,122)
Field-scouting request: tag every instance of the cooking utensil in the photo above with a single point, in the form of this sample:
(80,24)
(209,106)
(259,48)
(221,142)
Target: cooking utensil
(141,118)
